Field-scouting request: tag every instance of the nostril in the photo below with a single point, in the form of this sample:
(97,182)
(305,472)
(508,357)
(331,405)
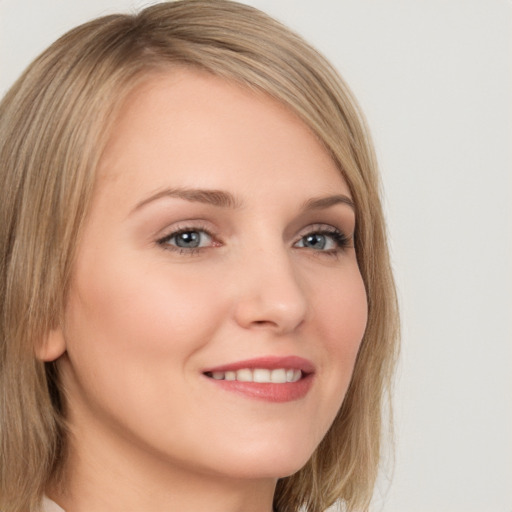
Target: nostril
(263,323)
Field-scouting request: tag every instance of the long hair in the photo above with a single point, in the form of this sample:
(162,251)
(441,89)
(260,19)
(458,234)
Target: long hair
(54,124)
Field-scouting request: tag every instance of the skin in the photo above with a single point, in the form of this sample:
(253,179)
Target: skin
(144,319)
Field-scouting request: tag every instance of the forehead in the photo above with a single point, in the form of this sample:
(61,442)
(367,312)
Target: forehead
(186,125)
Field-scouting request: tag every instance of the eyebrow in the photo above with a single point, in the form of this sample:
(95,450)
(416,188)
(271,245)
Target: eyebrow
(218,198)
(320,203)
(223,199)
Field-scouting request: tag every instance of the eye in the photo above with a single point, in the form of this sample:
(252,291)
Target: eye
(187,240)
(326,240)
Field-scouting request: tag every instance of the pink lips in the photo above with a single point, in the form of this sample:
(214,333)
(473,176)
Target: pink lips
(267,391)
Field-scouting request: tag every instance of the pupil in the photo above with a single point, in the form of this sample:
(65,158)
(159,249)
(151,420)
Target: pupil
(315,241)
(188,239)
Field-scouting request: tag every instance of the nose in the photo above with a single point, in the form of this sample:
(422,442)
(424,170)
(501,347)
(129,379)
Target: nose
(269,294)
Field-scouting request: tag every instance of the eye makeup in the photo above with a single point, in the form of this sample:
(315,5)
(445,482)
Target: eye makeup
(194,237)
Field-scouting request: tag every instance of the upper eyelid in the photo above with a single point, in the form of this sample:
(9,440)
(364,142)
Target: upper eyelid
(164,241)
(341,241)
(320,226)
(326,231)
(190,225)
(203,225)
(347,236)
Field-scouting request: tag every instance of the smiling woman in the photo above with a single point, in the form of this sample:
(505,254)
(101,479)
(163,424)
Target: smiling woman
(198,307)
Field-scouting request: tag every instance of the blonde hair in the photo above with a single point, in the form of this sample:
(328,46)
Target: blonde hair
(54,123)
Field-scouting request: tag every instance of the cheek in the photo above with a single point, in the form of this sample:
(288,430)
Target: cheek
(126,322)
(343,313)
(343,308)
(147,308)
(132,332)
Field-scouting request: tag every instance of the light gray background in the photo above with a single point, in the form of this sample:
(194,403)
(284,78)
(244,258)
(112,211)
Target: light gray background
(435,80)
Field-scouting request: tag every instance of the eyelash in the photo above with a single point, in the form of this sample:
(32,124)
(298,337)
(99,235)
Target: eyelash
(341,241)
(164,242)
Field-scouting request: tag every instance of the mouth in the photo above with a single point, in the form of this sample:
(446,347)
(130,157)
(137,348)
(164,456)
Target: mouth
(272,379)
(261,375)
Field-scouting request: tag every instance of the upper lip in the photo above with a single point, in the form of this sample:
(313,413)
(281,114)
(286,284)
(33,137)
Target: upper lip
(268,362)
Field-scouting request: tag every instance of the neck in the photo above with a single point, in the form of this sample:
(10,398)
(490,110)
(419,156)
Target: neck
(105,476)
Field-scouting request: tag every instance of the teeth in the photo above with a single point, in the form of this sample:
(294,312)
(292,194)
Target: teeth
(293,375)
(244,375)
(261,375)
(297,374)
(278,376)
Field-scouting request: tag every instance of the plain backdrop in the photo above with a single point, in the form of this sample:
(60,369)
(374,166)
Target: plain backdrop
(435,81)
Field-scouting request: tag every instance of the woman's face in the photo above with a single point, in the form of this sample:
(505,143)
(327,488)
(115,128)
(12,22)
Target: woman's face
(217,251)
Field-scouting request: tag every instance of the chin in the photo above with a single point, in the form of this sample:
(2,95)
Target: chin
(273,463)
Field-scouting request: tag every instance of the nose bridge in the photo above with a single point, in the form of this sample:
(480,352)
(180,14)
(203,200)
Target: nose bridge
(270,290)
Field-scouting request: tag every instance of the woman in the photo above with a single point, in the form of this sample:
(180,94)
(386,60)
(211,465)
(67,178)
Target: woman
(198,305)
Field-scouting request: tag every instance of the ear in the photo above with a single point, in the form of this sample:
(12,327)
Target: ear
(52,345)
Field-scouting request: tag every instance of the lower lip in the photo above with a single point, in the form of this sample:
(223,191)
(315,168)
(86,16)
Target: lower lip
(268,392)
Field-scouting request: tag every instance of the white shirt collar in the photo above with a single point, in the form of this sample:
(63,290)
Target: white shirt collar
(51,506)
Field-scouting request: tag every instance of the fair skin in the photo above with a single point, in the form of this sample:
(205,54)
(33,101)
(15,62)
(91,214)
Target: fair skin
(172,282)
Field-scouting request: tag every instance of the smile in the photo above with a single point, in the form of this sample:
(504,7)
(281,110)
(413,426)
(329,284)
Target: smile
(261,375)
(271,379)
